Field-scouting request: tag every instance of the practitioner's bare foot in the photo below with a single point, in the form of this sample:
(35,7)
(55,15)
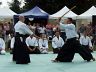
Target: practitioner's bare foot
(54,61)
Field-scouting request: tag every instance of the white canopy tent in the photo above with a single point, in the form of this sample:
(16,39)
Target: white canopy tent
(88,14)
(86,17)
(6,13)
(71,14)
(62,12)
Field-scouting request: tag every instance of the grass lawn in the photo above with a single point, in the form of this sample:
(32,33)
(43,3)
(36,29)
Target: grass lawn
(50,46)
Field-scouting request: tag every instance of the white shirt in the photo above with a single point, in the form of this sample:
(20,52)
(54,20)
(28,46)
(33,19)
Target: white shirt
(12,43)
(43,43)
(31,41)
(70,30)
(62,28)
(2,44)
(22,28)
(56,43)
(85,41)
(42,29)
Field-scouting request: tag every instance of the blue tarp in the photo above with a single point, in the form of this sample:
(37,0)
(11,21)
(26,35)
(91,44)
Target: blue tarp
(36,12)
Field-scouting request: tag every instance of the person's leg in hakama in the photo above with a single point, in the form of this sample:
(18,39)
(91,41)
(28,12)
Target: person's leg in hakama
(84,53)
(23,55)
(35,50)
(66,53)
(56,50)
(15,50)
(20,52)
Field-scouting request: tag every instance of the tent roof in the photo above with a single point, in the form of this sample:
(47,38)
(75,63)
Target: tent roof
(62,12)
(6,13)
(36,12)
(71,14)
(89,13)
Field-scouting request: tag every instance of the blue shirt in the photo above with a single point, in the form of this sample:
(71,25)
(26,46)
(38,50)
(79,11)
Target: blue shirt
(70,30)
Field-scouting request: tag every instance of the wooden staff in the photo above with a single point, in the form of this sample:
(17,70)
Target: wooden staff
(58,20)
(67,12)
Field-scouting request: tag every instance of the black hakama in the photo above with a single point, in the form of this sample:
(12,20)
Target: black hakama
(87,48)
(63,35)
(20,51)
(56,50)
(72,46)
(36,51)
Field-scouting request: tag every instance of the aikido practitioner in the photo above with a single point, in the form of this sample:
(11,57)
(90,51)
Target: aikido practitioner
(43,44)
(32,44)
(2,46)
(72,45)
(57,42)
(85,41)
(20,51)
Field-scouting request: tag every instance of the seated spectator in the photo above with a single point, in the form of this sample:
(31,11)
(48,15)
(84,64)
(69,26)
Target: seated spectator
(32,27)
(43,44)
(42,30)
(57,42)
(2,46)
(85,41)
(32,44)
(81,29)
(49,30)
(37,29)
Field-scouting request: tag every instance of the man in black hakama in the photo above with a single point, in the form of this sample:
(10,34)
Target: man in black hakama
(72,45)
(20,51)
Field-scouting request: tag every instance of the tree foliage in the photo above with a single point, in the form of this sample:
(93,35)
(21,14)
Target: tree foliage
(52,6)
(15,6)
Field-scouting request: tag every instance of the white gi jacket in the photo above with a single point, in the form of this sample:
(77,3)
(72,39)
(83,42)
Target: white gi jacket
(31,41)
(43,43)
(22,28)
(85,41)
(57,43)
(2,44)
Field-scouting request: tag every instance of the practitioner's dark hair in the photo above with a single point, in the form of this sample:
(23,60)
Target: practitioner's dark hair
(57,31)
(70,19)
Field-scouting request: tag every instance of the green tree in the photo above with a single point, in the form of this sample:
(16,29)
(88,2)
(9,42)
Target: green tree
(15,6)
(29,4)
(52,6)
